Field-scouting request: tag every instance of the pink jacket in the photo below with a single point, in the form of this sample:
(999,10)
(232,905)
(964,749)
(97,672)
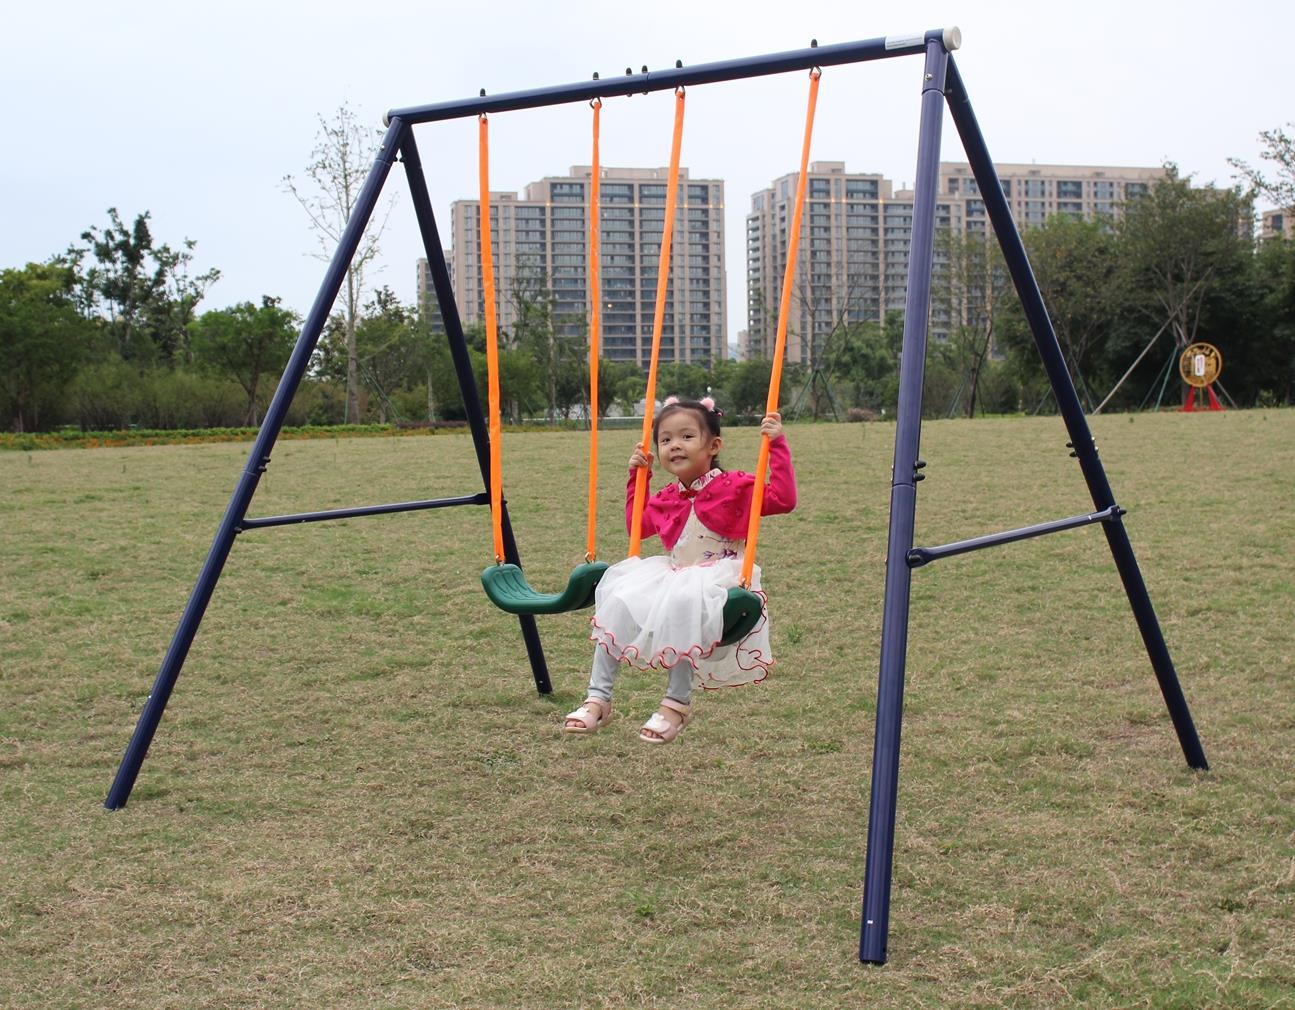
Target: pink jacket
(723,505)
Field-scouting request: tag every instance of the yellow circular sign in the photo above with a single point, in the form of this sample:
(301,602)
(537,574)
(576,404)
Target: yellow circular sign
(1200,364)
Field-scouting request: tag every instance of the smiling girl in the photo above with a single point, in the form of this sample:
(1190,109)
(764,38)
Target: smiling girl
(667,612)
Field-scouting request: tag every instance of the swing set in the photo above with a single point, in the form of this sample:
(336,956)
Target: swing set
(505,582)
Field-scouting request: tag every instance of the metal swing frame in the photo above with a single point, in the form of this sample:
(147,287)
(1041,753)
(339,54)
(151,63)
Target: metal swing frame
(941,84)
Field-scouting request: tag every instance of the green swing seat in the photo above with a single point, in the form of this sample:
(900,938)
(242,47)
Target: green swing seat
(508,590)
(741,615)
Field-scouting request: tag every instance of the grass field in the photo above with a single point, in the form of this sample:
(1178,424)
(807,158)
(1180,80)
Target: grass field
(357,799)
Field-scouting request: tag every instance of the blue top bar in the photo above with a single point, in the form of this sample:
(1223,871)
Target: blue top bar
(668,80)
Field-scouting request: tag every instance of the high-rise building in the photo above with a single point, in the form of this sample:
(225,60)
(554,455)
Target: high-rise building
(839,276)
(856,231)
(429,307)
(1277,224)
(541,243)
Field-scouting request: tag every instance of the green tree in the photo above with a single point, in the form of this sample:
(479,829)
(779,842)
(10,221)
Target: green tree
(432,358)
(1262,368)
(1186,250)
(245,342)
(749,386)
(862,358)
(390,346)
(142,290)
(42,337)
(685,380)
(617,382)
(1077,267)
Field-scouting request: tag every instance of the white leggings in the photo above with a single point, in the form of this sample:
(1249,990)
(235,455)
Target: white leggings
(603,678)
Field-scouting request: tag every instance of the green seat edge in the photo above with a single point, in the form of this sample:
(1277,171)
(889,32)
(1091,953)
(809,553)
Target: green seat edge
(741,614)
(508,589)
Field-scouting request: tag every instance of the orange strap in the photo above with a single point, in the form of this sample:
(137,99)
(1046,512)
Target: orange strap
(595,332)
(492,345)
(784,310)
(662,282)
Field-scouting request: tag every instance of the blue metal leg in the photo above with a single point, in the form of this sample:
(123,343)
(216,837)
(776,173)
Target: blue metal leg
(257,461)
(1072,412)
(903,507)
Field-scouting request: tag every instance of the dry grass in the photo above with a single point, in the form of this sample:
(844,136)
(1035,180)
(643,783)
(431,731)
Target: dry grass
(357,799)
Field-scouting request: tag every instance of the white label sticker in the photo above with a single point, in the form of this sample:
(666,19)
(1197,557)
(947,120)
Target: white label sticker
(904,41)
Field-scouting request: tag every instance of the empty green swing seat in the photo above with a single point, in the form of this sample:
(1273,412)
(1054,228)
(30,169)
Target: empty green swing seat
(508,590)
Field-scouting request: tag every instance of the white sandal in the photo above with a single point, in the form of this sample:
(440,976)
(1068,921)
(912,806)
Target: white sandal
(592,716)
(665,729)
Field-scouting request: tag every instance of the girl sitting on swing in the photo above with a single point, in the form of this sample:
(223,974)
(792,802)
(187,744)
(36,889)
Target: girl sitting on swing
(666,612)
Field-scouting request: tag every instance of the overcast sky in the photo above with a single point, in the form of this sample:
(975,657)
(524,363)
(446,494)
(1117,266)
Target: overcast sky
(195,112)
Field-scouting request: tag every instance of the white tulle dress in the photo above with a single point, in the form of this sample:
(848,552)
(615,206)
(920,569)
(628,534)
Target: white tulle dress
(655,612)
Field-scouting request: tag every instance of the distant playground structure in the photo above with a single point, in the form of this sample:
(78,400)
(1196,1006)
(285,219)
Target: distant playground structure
(941,87)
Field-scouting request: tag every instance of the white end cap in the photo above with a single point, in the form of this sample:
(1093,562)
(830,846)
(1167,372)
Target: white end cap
(952,38)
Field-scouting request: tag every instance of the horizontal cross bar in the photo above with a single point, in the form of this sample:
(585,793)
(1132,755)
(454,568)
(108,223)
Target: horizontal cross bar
(919,556)
(677,77)
(480,498)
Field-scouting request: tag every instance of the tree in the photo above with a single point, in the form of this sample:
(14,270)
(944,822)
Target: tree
(144,291)
(1185,250)
(682,379)
(830,296)
(521,383)
(42,337)
(389,343)
(432,358)
(1076,265)
(862,357)
(617,382)
(1279,148)
(559,357)
(339,164)
(968,291)
(1264,365)
(245,342)
(749,386)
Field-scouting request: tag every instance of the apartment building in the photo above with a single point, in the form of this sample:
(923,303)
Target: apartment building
(428,304)
(540,240)
(1038,192)
(1277,224)
(856,232)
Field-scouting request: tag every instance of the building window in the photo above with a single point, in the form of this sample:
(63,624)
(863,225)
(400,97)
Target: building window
(568,191)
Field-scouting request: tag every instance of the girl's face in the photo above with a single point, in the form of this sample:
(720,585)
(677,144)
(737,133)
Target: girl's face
(685,445)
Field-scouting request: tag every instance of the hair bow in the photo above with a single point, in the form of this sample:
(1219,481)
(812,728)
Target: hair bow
(670,401)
